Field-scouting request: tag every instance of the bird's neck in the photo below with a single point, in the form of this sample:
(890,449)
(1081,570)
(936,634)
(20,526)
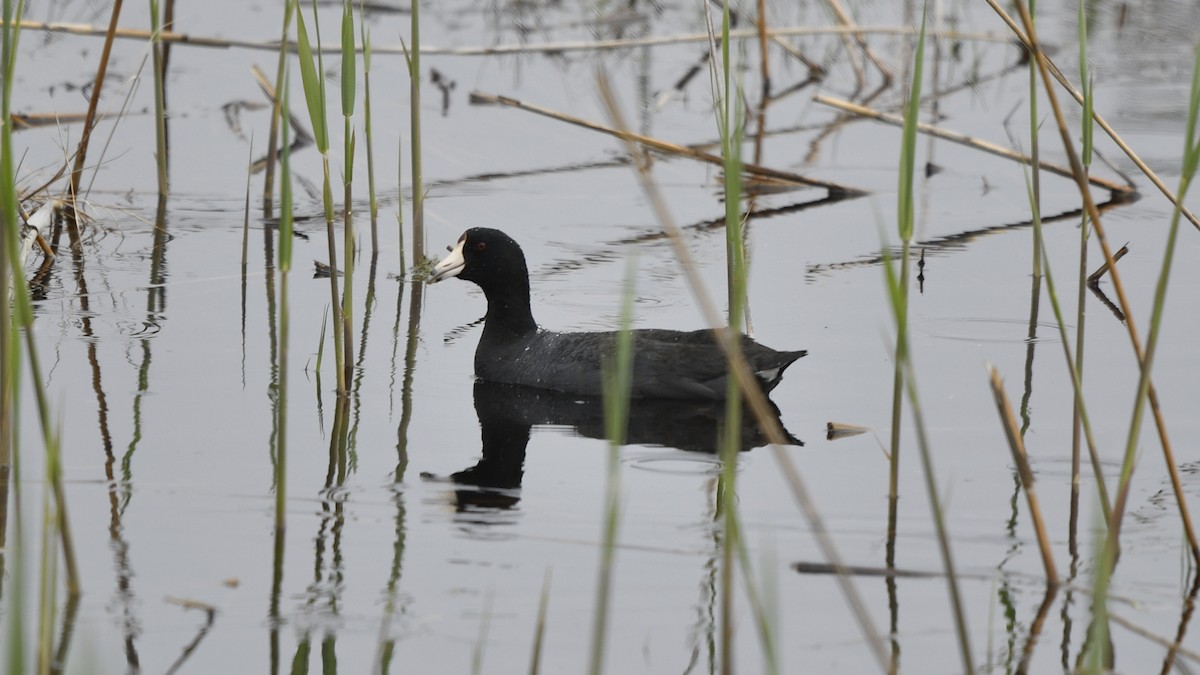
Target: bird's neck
(508,313)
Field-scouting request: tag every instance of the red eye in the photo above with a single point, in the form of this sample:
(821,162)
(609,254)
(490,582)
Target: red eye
(481,246)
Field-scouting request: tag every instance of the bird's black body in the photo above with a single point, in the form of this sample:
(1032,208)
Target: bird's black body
(667,364)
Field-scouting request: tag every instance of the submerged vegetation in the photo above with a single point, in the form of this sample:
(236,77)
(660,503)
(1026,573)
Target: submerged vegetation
(759,186)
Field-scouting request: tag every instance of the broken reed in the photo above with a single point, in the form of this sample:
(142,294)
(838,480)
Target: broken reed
(618,378)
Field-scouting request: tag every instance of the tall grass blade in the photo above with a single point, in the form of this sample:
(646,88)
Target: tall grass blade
(1081,293)
(10,276)
(414,94)
(904,222)
(618,378)
(311,80)
(273,139)
(349,90)
(365,36)
(285,266)
(904,375)
(314,96)
(1191,157)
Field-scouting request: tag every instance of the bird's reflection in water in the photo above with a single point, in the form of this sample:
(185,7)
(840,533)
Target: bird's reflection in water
(507,413)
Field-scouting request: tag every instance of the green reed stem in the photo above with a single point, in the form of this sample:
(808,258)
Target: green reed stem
(273,139)
(414,97)
(904,222)
(160,113)
(1081,293)
(1076,382)
(365,36)
(286,226)
(731,131)
(1191,157)
(9,345)
(618,380)
(905,373)
(898,302)
(311,70)
(1097,653)
(349,84)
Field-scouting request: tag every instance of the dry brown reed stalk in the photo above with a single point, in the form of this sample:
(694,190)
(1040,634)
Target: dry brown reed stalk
(1094,278)
(555,47)
(1123,301)
(740,369)
(1070,89)
(1017,445)
(846,21)
(762,49)
(88,125)
(971,142)
(834,189)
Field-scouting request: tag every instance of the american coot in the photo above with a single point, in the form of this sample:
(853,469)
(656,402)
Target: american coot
(513,350)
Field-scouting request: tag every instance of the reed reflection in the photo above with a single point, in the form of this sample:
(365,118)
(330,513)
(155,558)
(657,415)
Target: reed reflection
(507,414)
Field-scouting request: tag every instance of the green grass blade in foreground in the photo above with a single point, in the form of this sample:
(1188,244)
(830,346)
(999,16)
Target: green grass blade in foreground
(1097,654)
(731,139)
(9,345)
(905,372)
(1191,157)
(310,78)
(904,225)
(618,375)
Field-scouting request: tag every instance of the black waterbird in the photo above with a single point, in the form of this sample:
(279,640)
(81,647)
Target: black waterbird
(667,364)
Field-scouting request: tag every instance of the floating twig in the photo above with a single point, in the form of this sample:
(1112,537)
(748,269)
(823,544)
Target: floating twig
(666,147)
(519,48)
(978,144)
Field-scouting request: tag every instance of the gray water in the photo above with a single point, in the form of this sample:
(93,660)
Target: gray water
(158,350)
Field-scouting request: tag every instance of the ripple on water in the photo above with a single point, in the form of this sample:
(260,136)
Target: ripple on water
(678,463)
(987,329)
